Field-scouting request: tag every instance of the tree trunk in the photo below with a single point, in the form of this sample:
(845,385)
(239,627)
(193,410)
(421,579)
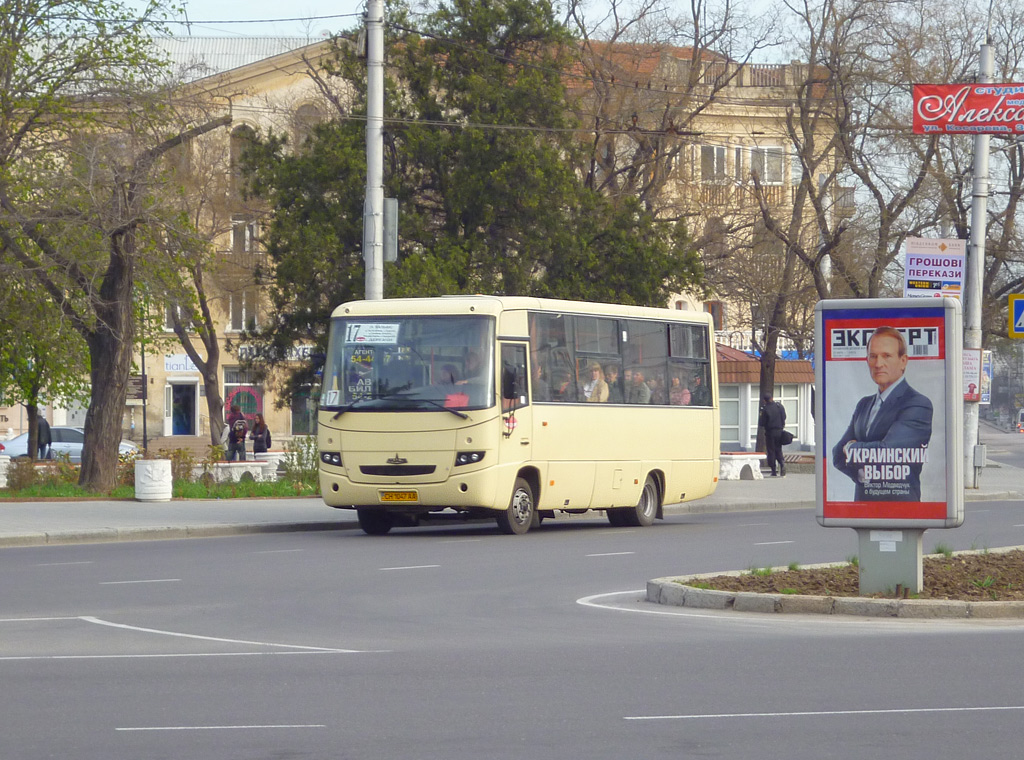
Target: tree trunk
(111,347)
(32,411)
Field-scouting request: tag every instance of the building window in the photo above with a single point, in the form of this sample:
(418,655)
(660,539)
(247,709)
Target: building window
(717,311)
(169,312)
(244,234)
(712,163)
(738,164)
(766,164)
(244,311)
(241,388)
(241,138)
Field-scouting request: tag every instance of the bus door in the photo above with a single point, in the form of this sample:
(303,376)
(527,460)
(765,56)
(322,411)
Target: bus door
(516,412)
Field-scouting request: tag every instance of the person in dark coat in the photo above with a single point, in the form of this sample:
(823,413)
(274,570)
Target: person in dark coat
(44,438)
(773,420)
(260,435)
(237,430)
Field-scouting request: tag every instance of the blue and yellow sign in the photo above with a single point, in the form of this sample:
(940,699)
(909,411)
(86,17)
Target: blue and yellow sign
(1017,315)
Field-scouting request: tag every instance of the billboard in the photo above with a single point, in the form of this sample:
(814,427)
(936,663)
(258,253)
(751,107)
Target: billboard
(889,413)
(933,267)
(995,109)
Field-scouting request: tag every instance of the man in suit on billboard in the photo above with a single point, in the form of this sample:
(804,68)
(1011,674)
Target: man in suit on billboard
(886,444)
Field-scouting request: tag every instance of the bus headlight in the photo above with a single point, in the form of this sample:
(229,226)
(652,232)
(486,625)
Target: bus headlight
(468,457)
(331,457)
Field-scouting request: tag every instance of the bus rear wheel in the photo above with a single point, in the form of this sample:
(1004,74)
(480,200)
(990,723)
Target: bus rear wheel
(521,512)
(374,522)
(646,509)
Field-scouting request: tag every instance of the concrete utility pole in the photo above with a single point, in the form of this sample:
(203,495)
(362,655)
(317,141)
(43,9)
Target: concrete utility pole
(974,274)
(373,207)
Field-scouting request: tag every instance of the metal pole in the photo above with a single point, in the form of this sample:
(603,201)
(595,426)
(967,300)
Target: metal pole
(975,273)
(373,208)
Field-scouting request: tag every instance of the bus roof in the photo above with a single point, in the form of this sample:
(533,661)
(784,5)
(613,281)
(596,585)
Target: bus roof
(485,304)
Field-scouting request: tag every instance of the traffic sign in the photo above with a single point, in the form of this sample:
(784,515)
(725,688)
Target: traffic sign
(1017,315)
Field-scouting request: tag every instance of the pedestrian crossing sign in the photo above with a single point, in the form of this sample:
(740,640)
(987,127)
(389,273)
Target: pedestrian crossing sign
(1017,315)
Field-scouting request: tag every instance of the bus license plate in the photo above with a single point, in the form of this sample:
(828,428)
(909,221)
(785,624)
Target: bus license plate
(399,496)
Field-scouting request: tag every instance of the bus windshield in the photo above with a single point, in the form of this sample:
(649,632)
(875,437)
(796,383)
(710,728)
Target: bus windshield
(409,364)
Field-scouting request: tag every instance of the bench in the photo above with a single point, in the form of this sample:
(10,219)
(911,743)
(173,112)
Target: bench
(741,465)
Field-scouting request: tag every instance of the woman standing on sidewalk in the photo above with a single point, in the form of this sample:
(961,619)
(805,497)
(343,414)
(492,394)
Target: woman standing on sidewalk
(260,435)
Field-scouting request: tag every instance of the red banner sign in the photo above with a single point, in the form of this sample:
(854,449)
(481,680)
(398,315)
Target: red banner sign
(996,109)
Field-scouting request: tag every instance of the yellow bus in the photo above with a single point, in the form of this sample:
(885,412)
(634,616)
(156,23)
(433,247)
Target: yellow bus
(516,408)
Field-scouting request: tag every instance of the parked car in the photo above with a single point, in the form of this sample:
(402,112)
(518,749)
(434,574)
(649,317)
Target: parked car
(66,440)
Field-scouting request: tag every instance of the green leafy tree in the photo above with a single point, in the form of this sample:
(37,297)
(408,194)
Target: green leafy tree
(83,128)
(480,152)
(42,359)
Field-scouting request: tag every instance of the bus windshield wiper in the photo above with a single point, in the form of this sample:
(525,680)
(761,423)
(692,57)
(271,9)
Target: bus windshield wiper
(350,406)
(456,412)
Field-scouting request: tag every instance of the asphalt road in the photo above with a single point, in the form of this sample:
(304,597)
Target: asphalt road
(455,643)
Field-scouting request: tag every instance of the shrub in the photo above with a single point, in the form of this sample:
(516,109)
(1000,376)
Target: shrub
(182,464)
(21,473)
(302,461)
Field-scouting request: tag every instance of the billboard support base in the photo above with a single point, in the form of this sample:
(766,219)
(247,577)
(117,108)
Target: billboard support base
(890,561)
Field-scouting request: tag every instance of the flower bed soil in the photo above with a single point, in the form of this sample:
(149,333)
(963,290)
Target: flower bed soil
(992,576)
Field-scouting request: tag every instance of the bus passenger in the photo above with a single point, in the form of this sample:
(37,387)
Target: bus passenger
(679,395)
(611,377)
(540,390)
(596,389)
(638,392)
(561,386)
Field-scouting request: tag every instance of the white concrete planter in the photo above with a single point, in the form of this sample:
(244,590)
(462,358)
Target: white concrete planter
(153,481)
(5,462)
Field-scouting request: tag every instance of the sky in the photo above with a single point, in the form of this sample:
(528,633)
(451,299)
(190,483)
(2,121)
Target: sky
(273,18)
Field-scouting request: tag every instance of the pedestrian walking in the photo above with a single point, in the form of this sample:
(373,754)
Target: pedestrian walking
(44,438)
(773,420)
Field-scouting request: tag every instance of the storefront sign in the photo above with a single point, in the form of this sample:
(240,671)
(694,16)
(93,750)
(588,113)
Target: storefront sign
(968,109)
(179,363)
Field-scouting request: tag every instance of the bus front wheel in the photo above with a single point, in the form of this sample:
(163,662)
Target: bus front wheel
(521,512)
(374,522)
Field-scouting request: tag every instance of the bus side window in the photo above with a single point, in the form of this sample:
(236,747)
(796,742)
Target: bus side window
(513,376)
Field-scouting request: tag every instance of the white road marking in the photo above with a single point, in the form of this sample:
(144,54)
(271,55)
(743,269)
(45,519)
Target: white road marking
(772,543)
(410,567)
(280,551)
(220,728)
(826,713)
(159,632)
(461,541)
(610,554)
(179,655)
(37,620)
(127,583)
(58,564)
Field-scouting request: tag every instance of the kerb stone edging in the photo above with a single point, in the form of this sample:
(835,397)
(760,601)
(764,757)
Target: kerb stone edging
(674,591)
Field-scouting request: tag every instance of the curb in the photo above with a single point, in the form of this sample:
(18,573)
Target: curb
(105,535)
(674,591)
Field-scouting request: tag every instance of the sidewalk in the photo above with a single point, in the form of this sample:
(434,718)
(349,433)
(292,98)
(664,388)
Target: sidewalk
(42,523)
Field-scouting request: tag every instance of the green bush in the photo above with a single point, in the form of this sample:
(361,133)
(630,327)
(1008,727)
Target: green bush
(302,462)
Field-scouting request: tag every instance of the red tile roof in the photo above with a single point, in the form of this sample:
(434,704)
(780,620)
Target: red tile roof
(735,366)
